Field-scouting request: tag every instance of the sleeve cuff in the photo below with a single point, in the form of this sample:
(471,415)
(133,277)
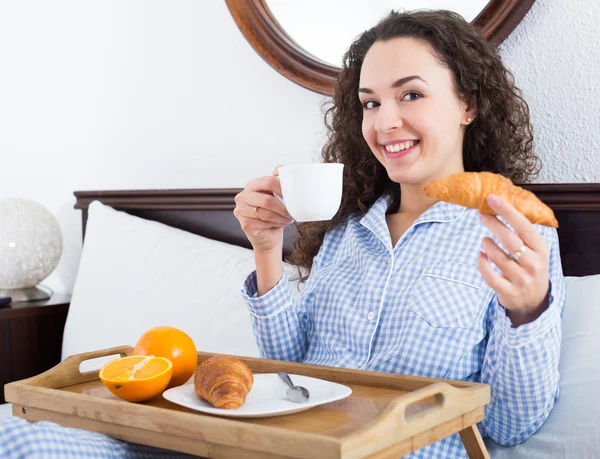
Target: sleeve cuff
(525,333)
(271,303)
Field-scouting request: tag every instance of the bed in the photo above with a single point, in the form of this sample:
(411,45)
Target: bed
(144,249)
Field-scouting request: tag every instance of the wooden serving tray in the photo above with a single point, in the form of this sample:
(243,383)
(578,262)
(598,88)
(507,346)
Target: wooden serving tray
(386,416)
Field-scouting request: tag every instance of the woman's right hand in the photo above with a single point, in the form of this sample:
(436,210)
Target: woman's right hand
(261,215)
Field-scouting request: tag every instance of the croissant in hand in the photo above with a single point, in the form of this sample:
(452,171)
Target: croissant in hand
(470,189)
(223,381)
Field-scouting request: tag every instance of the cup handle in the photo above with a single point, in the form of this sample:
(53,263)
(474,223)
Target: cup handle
(279,198)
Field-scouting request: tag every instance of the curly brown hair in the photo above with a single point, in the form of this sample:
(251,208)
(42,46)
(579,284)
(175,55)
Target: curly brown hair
(498,140)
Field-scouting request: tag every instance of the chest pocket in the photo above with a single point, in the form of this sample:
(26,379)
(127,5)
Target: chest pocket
(448,295)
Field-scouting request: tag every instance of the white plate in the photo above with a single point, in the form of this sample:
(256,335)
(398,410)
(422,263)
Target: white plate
(266,398)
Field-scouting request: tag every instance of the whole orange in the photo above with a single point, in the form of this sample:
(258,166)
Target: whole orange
(173,344)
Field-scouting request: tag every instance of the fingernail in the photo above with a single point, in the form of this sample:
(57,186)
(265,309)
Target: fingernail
(494,201)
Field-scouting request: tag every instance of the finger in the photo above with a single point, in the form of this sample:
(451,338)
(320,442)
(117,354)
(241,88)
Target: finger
(266,215)
(275,171)
(509,268)
(267,202)
(252,224)
(499,284)
(268,185)
(518,221)
(507,237)
(242,209)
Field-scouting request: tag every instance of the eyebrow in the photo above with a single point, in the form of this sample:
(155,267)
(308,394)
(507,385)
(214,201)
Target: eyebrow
(397,84)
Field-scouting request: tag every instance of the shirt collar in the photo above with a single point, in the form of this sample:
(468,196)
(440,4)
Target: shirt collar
(440,212)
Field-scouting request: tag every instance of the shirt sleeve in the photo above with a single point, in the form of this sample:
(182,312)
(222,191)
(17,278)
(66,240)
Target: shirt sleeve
(521,364)
(279,319)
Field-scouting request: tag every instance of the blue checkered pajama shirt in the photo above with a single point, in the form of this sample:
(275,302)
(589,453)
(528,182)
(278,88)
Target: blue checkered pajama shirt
(419,308)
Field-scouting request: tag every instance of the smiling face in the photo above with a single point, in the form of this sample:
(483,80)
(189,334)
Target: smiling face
(413,120)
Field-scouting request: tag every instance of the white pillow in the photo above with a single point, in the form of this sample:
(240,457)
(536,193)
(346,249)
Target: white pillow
(573,428)
(135,274)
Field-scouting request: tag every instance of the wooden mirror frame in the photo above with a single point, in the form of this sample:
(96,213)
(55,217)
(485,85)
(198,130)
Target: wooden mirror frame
(254,18)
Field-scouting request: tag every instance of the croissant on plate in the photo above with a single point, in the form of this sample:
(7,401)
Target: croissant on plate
(470,189)
(223,381)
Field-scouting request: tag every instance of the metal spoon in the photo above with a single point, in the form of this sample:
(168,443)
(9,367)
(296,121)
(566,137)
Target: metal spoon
(296,394)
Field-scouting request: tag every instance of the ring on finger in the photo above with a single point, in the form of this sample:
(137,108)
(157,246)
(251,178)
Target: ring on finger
(256,212)
(516,255)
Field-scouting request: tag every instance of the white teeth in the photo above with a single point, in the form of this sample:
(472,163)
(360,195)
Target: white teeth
(400,146)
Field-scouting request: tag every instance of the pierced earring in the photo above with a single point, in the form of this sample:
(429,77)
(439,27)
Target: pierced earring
(468,120)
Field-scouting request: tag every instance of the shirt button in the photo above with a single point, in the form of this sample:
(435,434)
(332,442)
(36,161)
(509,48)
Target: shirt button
(370,316)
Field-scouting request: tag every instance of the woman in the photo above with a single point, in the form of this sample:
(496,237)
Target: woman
(398,282)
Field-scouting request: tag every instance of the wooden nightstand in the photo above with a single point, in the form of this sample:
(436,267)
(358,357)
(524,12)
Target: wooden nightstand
(31,337)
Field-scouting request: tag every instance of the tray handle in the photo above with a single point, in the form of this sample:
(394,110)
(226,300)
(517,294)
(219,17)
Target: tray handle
(76,360)
(67,372)
(393,419)
(397,407)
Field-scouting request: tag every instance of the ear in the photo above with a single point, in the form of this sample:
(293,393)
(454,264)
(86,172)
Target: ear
(470,114)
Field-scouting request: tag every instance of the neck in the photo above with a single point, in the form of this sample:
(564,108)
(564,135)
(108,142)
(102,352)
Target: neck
(413,200)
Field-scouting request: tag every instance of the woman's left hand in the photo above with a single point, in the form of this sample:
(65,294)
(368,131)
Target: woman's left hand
(523,285)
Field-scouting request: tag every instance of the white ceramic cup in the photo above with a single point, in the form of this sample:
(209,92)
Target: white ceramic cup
(312,192)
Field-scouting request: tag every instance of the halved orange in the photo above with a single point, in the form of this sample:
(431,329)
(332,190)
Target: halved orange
(137,378)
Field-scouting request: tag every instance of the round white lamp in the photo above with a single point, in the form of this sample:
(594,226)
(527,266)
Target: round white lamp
(30,248)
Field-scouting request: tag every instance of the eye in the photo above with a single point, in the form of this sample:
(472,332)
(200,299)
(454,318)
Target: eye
(369,104)
(413,96)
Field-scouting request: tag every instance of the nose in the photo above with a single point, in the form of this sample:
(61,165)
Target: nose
(388,118)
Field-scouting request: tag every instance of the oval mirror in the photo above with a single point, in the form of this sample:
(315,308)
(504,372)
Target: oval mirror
(305,40)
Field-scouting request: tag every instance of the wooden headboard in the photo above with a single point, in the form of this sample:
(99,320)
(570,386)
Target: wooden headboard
(208,212)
